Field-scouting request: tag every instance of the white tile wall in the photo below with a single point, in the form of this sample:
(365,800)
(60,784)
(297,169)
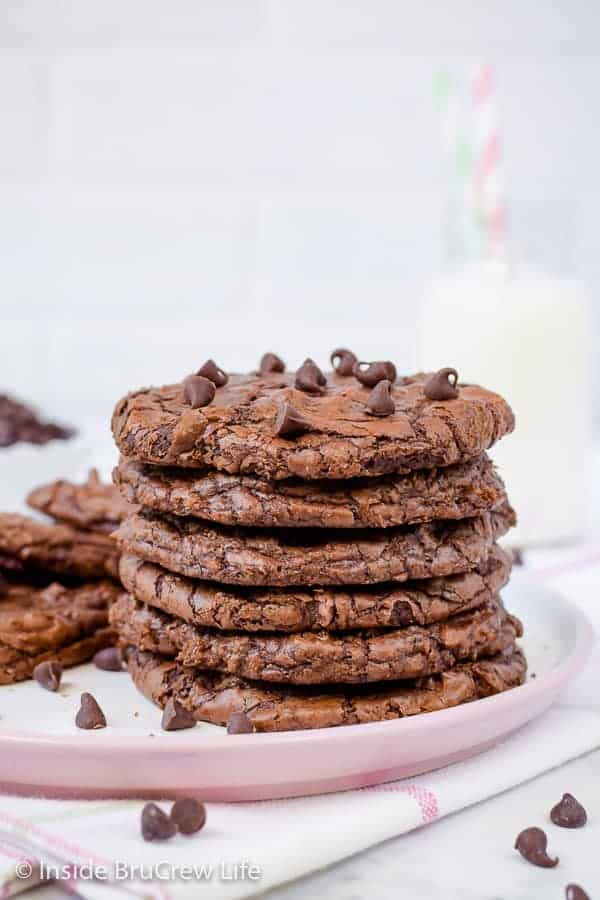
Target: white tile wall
(225,176)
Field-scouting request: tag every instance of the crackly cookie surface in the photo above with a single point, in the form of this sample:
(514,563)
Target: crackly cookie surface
(66,624)
(312,556)
(93,505)
(321,657)
(294,609)
(455,492)
(235,432)
(30,546)
(214,697)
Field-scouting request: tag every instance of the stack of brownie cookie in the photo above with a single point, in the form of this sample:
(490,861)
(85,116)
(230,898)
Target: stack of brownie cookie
(314,549)
(58,579)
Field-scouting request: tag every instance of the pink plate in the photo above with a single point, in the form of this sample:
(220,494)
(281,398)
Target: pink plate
(41,751)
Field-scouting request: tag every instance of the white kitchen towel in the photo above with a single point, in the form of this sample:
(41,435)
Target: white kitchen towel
(95,848)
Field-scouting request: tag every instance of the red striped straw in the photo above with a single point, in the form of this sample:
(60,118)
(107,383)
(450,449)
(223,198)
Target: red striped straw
(490,206)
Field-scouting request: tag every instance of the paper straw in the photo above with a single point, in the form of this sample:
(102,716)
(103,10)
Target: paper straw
(489,199)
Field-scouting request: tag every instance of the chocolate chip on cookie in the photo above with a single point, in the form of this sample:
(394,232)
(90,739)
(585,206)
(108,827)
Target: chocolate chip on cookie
(343,361)
(309,378)
(198,391)
(371,373)
(175,717)
(239,723)
(213,372)
(442,385)
(110,659)
(289,422)
(380,402)
(270,362)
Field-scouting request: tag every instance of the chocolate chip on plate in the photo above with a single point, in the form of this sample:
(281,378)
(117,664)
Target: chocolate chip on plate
(175,717)
(568,813)
(442,385)
(574,892)
(270,362)
(198,391)
(309,378)
(213,372)
(289,422)
(48,674)
(239,723)
(90,716)
(380,402)
(532,844)
(343,361)
(156,824)
(109,660)
(374,372)
(188,815)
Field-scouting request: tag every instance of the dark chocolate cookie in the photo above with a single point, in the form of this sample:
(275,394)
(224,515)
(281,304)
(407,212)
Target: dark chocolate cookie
(213,697)
(67,625)
(312,556)
(92,505)
(339,438)
(322,657)
(209,605)
(30,546)
(455,492)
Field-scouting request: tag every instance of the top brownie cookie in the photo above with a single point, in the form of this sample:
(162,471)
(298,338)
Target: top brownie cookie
(236,432)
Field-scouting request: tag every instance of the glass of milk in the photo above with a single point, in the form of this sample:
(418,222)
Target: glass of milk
(524,334)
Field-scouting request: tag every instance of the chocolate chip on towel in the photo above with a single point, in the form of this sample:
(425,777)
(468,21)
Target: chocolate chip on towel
(90,716)
(532,844)
(156,825)
(188,815)
(48,674)
(568,813)
(574,892)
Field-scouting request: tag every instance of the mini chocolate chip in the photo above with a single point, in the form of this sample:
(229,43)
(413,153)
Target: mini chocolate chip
(374,373)
(532,844)
(188,815)
(289,422)
(442,385)
(48,674)
(239,723)
(156,825)
(110,659)
(175,717)
(90,715)
(517,554)
(271,363)
(309,378)
(343,361)
(380,401)
(574,892)
(568,813)
(212,371)
(198,391)
(3,586)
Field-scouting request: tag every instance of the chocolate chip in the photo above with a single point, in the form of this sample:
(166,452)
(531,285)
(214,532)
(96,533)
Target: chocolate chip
(374,372)
(289,422)
(568,813)
(198,391)
(156,825)
(309,378)
(90,716)
(175,717)
(48,674)
(212,371)
(532,844)
(380,401)
(239,723)
(442,385)
(188,815)
(517,554)
(110,659)
(271,363)
(3,586)
(343,361)
(574,892)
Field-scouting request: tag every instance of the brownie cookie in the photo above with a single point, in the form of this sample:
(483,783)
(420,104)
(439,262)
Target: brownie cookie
(92,505)
(322,657)
(54,623)
(454,492)
(21,423)
(236,431)
(213,697)
(312,556)
(30,546)
(314,609)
